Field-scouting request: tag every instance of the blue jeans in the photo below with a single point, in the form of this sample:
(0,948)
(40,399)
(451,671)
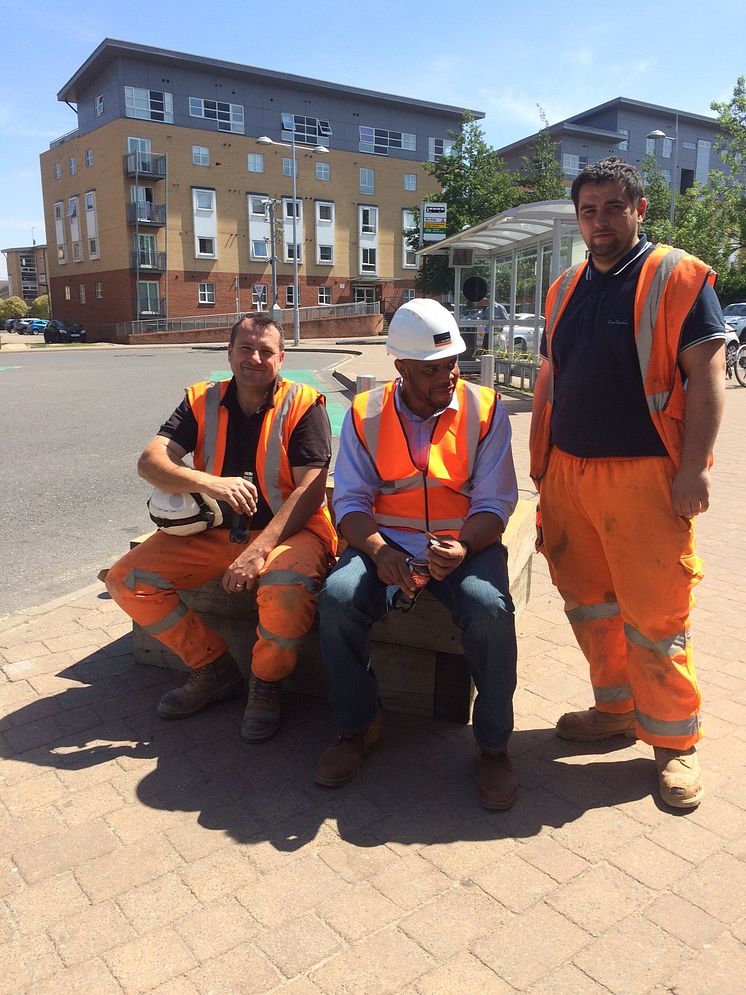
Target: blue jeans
(353,598)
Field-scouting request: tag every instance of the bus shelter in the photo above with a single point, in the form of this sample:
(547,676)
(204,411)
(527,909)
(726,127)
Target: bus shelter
(513,257)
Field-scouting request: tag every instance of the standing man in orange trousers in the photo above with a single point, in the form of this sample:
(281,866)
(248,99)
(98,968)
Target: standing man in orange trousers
(626,409)
(279,431)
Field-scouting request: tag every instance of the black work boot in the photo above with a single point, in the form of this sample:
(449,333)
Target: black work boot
(261,720)
(216,681)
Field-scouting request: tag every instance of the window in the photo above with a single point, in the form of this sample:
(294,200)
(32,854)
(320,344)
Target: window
(57,171)
(408,295)
(292,208)
(89,157)
(438,147)
(365,295)
(259,295)
(98,290)
(148,297)
(67,292)
(290,295)
(649,146)
(205,246)
(624,146)
(702,165)
(325,212)
(229,117)
(204,200)
(92,247)
(667,147)
(90,201)
(367,181)
(326,253)
(410,181)
(58,210)
(148,105)
(258,206)
(408,260)
(666,174)
(323,171)
(255,162)
(368,220)
(290,250)
(307,130)
(287,167)
(81,293)
(367,260)
(200,155)
(259,249)
(72,166)
(689,145)
(572,164)
(98,105)
(379,140)
(324,295)
(206,293)
(72,207)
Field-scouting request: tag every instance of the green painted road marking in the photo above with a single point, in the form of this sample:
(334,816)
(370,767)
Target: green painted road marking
(334,408)
(3,368)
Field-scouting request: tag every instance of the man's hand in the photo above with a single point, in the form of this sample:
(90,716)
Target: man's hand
(235,491)
(392,568)
(690,492)
(445,557)
(241,575)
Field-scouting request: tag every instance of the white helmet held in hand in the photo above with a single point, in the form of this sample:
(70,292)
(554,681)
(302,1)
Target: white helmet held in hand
(423,329)
(184,514)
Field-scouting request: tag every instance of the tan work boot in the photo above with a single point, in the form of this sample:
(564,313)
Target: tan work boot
(341,761)
(496,784)
(591,726)
(262,717)
(214,682)
(679,780)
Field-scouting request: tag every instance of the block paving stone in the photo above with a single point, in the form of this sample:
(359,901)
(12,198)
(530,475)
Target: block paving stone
(137,855)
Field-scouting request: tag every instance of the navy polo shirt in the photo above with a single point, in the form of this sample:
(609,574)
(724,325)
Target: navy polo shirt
(600,410)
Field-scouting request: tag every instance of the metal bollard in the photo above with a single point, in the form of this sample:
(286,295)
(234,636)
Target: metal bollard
(487,370)
(363,382)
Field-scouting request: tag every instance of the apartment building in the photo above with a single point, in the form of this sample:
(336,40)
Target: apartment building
(684,151)
(27,271)
(162,201)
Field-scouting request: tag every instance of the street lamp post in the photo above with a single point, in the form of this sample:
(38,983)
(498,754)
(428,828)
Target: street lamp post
(320,150)
(674,178)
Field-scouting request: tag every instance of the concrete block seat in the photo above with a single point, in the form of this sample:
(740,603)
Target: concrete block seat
(417,656)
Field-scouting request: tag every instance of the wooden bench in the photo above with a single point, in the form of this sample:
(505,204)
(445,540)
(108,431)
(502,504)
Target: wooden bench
(417,656)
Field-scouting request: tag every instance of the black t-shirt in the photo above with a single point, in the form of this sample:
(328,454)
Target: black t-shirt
(600,408)
(310,443)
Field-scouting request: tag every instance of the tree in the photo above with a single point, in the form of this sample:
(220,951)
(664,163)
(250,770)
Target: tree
(732,122)
(541,174)
(476,185)
(40,307)
(657,225)
(13,307)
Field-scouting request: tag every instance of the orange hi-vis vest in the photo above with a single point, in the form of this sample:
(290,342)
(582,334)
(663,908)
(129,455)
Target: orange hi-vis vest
(274,473)
(670,282)
(435,499)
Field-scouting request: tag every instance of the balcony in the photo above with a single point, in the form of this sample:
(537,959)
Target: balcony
(153,262)
(138,164)
(144,213)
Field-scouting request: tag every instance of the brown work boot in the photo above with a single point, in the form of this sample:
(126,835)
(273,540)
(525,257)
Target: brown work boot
(679,779)
(214,682)
(341,761)
(496,784)
(262,717)
(591,726)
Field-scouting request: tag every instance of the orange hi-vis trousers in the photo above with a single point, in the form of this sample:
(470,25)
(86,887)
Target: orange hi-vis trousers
(626,567)
(146,581)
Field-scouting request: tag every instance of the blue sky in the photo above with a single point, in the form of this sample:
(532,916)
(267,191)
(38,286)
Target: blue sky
(502,57)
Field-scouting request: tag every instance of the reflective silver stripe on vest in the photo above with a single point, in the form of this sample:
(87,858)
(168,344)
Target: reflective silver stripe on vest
(566,279)
(472,409)
(604,696)
(212,408)
(372,419)
(666,647)
(671,729)
(651,307)
(587,613)
(169,621)
(281,641)
(414,483)
(435,525)
(137,576)
(289,578)
(657,402)
(273,458)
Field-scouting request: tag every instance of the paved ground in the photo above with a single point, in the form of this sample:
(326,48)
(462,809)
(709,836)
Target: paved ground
(138,855)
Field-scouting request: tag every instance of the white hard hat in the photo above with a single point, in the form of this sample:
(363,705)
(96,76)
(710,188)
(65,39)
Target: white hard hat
(423,329)
(184,514)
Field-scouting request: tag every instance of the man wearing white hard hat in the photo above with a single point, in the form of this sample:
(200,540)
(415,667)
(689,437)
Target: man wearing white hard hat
(425,474)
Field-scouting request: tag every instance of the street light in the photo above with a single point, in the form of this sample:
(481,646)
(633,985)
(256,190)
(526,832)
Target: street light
(674,179)
(319,150)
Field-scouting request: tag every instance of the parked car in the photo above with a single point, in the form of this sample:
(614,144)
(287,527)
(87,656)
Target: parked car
(36,326)
(735,316)
(58,330)
(19,325)
(9,324)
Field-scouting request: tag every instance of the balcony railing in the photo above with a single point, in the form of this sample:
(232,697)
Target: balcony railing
(144,213)
(144,259)
(140,164)
(63,138)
